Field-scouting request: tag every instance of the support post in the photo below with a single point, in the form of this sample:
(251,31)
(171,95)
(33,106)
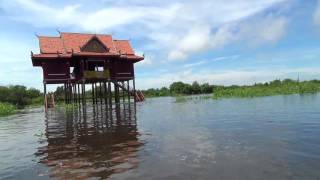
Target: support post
(45,95)
(110,94)
(100,92)
(65,92)
(79,97)
(105,93)
(84,92)
(92,92)
(96,93)
(134,89)
(128,88)
(123,86)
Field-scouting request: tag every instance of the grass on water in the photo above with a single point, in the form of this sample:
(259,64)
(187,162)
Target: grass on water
(6,109)
(276,87)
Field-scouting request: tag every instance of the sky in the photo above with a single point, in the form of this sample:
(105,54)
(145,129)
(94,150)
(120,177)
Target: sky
(216,41)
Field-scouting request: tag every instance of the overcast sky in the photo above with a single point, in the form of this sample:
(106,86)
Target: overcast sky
(216,41)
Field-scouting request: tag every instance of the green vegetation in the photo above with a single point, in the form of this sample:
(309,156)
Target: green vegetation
(6,109)
(180,88)
(18,97)
(276,87)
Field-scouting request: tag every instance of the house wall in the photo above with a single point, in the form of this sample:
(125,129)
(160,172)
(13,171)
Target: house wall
(56,70)
(122,70)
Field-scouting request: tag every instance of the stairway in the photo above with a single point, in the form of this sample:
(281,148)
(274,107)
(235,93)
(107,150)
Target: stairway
(49,101)
(138,95)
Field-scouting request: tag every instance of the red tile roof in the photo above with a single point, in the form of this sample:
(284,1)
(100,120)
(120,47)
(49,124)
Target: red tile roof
(123,46)
(51,45)
(72,43)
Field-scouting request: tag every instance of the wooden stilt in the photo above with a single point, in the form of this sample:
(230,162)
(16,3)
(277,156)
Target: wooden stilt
(100,93)
(65,93)
(134,89)
(110,94)
(105,93)
(123,99)
(96,93)
(79,95)
(74,93)
(117,99)
(128,89)
(84,93)
(45,95)
(92,93)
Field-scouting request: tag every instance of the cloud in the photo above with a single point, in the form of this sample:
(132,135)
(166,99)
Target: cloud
(269,29)
(256,32)
(177,29)
(196,40)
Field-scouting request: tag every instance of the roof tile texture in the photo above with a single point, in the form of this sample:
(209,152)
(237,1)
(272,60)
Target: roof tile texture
(73,42)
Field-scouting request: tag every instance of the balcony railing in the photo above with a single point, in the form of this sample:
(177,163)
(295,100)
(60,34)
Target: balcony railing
(96,74)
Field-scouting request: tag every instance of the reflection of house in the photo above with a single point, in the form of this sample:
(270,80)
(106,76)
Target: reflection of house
(83,148)
(77,59)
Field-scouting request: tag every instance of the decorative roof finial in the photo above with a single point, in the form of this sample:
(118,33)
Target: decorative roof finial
(58,31)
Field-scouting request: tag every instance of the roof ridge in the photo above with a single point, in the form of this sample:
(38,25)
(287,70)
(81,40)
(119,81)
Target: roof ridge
(48,36)
(85,33)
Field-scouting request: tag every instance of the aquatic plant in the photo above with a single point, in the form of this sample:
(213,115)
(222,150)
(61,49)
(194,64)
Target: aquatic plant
(276,87)
(195,98)
(180,99)
(7,109)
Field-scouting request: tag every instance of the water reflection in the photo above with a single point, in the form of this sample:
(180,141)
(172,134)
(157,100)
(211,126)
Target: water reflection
(90,142)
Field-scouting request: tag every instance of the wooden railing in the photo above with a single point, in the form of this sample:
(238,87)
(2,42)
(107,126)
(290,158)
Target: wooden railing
(96,74)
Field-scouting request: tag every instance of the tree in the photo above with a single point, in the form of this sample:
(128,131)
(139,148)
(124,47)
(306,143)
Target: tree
(177,87)
(196,88)
(33,93)
(59,93)
(205,88)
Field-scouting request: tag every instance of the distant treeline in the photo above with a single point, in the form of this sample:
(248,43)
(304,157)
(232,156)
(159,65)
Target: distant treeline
(20,96)
(180,88)
(276,87)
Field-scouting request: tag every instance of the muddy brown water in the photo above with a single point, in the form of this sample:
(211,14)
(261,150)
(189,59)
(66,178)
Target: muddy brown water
(260,138)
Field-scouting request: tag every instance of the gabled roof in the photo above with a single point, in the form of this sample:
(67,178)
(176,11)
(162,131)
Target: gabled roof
(73,42)
(68,45)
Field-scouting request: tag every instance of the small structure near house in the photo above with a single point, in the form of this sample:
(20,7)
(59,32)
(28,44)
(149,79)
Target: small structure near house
(77,59)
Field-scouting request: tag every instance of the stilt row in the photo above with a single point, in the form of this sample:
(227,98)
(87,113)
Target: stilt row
(100,92)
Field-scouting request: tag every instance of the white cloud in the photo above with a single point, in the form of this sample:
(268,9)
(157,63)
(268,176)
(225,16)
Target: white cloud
(267,30)
(177,55)
(176,28)
(260,31)
(165,29)
(196,40)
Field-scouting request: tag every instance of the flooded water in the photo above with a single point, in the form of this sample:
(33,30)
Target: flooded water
(261,138)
